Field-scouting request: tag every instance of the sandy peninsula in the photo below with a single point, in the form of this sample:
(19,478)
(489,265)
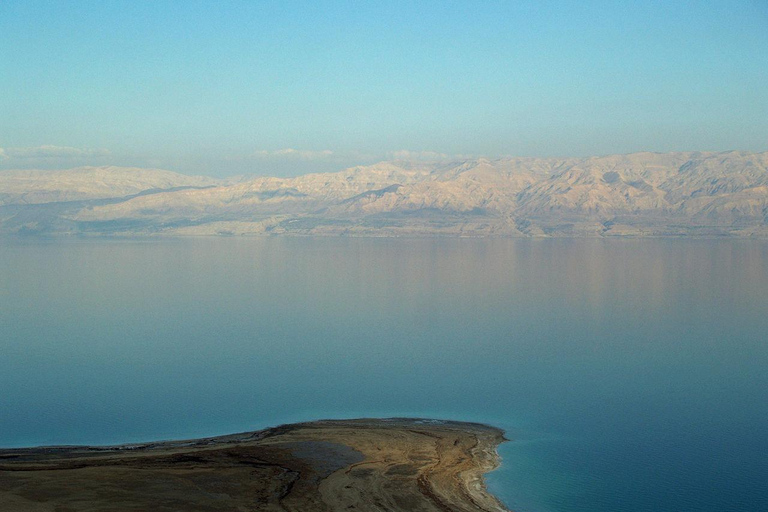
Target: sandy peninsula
(361,465)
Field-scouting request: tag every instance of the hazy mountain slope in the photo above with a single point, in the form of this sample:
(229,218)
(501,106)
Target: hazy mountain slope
(470,186)
(35,187)
(637,194)
(604,186)
(259,197)
(668,192)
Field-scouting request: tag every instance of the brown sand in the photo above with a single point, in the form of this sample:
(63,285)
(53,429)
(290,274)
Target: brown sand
(360,465)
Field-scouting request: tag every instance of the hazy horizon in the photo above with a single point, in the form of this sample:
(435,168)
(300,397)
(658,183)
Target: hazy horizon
(400,157)
(234,88)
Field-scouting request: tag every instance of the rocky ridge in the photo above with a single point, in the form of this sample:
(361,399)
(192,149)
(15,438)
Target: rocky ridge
(640,194)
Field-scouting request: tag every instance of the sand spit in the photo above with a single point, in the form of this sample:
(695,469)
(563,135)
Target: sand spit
(361,465)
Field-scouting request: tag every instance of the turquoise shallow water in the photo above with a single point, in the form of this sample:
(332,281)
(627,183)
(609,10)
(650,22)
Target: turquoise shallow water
(630,374)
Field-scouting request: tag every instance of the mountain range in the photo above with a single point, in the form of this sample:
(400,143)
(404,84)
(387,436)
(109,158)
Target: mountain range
(639,194)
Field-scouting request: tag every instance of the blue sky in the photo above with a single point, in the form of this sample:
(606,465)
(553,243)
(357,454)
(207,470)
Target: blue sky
(289,87)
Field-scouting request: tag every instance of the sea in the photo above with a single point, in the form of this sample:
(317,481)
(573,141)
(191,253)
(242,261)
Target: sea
(630,375)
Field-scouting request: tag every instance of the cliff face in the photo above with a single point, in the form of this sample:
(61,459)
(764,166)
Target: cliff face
(638,194)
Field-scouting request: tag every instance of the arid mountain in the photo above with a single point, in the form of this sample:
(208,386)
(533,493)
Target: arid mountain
(36,187)
(641,194)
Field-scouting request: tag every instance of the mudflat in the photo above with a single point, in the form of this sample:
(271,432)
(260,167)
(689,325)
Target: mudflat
(360,465)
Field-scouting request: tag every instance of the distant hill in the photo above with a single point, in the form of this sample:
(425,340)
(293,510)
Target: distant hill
(640,194)
(35,187)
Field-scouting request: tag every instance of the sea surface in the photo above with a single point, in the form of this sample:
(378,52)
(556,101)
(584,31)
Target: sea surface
(630,375)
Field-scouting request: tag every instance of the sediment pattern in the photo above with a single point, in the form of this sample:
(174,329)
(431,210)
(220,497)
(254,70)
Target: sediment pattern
(361,465)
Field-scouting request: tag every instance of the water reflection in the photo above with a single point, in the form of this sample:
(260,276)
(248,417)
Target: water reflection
(623,362)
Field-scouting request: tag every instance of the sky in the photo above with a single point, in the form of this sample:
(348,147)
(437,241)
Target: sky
(283,88)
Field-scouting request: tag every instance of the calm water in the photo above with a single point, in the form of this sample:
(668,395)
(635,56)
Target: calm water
(632,375)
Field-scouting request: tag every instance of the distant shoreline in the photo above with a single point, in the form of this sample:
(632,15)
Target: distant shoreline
(397,463)
(374,235)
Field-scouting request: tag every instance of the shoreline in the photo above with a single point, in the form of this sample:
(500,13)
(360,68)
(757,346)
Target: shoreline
(360,464)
